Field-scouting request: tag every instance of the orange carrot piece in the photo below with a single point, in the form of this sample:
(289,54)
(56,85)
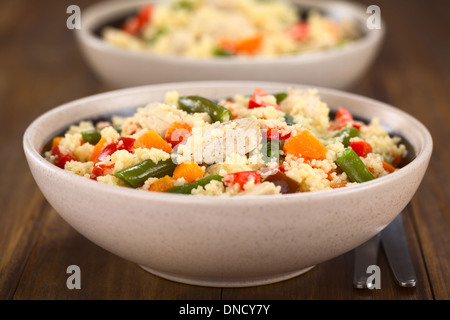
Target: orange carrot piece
(178,132)
(162,184)
(244,46)
(56,141)
(387,167)
(306,145)
(151,139)
(338,185)
(98,149)
(189,171)
(249,45)
(397,160)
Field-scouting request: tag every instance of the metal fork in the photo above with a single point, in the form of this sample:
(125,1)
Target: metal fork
(393,240)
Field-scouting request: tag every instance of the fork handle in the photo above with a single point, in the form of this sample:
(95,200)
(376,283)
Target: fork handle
(365,256)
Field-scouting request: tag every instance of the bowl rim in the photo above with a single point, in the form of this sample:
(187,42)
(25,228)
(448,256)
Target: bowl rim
(92,13)
(34,155)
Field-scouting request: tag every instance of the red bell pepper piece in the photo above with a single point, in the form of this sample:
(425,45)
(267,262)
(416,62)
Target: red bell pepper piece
(257,102)
(275,134)
(299,31)
(135,24)
(242,178)
(61,158)
(361,148)
(121,144)
(342,119)
(100,169)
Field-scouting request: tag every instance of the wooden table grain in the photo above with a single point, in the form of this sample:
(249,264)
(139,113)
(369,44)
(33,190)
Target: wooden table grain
(41,68)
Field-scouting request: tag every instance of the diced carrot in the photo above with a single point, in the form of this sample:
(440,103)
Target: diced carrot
(151,139)
(189,171)
(338,185)
(249,45)
(162,184)
(98,149)
(333,29)
(387,167)
(234,115)
(306,145)
(56,141)
(178,132)
(244,46)
(397,160)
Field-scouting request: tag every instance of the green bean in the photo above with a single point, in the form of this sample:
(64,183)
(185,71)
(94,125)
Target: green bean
(91,136)
(354,167)
(183,4)
(289,119)
(94,136)
(194,104)
(136,175)
(160,32)
(271,150)
(280,96)
(220,52)
(187,188)
(346,134)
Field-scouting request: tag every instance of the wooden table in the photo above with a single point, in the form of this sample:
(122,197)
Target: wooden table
(41,68)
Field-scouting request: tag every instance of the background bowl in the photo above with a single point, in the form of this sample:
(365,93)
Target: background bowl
(337,68)
(213,241)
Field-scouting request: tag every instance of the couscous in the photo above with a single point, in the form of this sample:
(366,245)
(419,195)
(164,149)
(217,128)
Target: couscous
(248,144)
(211,28)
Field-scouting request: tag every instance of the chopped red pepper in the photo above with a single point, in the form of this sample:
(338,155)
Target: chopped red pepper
(131,26)
(61,158)
(361,147)
(135,24)
(242,178)
(299,31)
(100,170)
(256,100)
(342,119)
(121,144)
(357,124)
(275,134)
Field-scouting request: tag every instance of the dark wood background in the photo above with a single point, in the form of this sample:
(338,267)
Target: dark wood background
(41,68)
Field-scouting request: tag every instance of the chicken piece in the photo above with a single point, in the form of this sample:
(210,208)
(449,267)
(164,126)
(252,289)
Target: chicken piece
(221,141)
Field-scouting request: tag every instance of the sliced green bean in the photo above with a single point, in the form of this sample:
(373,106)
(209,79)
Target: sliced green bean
(91,136)
(289,119)
(94,136)
(271,150)
(196,104)
(354,167)
(220,52)
(136,175)
(187,188)
(280,96)
(345,134)
(160,32)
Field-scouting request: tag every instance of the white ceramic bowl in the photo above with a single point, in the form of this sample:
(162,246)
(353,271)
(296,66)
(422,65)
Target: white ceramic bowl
(214,241)
(337,68)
